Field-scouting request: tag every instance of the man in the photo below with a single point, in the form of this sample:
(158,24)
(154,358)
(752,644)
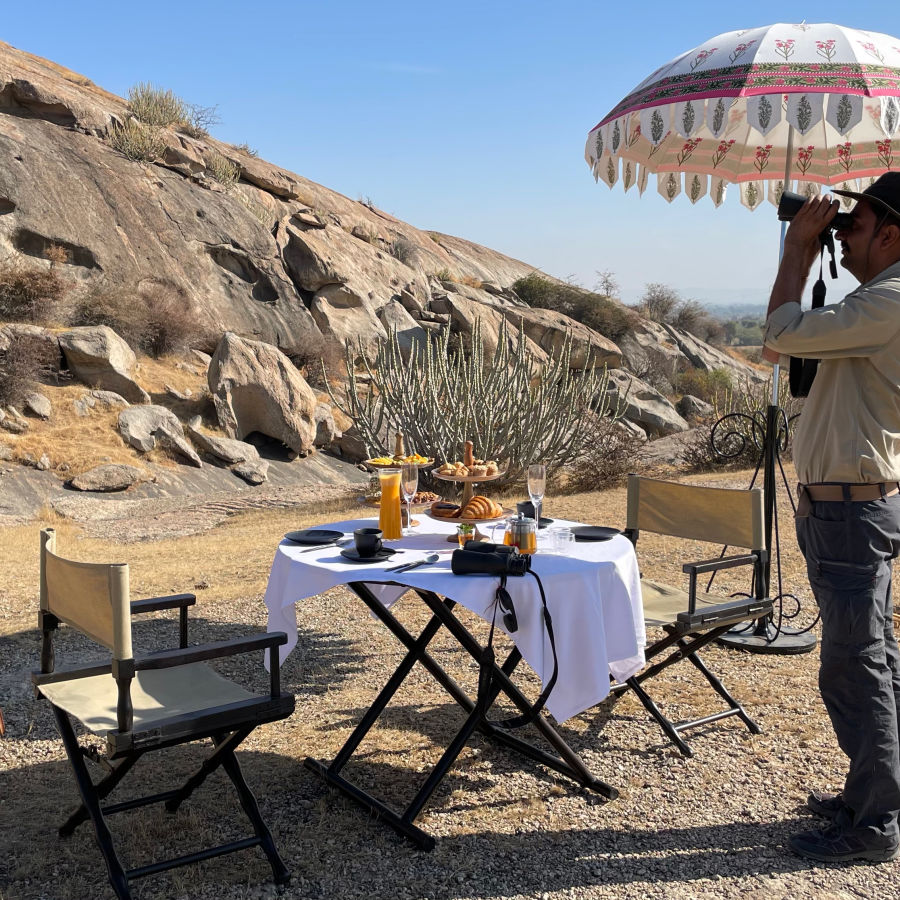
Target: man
(847,456)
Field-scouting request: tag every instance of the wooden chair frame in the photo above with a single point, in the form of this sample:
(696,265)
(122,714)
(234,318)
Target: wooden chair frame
(702,621)
(225,725)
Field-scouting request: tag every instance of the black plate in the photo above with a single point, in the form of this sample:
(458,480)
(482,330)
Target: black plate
(351,555)
(545,522)
(314,536)
(594,532)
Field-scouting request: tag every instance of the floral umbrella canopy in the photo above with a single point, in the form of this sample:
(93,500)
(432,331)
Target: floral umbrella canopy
(819,104)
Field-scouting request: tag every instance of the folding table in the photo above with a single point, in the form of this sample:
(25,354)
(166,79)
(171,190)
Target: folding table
(592,595)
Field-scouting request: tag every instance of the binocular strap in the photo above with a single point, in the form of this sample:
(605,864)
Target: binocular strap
(802,372)
(487,661)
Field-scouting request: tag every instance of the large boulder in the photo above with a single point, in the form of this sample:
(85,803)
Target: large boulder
(255,387)
(98,357)
(107,478)
(643,405)
(396,319)
(650,352)
(145,427)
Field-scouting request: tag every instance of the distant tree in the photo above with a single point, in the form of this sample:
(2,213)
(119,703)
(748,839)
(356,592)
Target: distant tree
(659,302)
(607,284)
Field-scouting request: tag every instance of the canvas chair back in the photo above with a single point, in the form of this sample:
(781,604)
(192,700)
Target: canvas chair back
(719,515)
(92,597)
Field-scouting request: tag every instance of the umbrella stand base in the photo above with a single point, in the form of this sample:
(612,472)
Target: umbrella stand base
(786,642)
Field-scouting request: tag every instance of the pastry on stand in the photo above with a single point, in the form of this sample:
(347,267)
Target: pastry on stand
(473,508)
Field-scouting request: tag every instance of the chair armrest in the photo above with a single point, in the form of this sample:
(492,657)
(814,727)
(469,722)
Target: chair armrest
(166,658)
(152,604)
(724,614)
(38,678)
(720,562)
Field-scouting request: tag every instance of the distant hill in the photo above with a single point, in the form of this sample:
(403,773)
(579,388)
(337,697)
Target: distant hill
(726,312)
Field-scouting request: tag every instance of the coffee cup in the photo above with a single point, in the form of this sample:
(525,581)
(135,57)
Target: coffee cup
(526,507)
(367,540)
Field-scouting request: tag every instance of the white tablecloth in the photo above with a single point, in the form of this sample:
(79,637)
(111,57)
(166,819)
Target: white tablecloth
(594,597)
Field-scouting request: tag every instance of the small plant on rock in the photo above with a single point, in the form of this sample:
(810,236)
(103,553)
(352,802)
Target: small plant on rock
(222,169)
(404,250)
(156,106)
(142,143)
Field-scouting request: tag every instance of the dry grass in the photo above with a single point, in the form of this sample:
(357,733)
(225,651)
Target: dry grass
(713,826)
(76,443)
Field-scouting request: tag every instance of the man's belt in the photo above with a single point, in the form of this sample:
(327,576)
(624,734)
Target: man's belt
(834,492)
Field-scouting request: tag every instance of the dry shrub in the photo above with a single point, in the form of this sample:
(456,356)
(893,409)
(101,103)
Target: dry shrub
(707,384)
(142,143)
(222,169)
(471,281)
(612,453)
(28,294)
(25,361)
(153,318)
(156,106)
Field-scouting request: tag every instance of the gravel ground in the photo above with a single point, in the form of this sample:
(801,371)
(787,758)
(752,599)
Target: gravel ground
(713,826)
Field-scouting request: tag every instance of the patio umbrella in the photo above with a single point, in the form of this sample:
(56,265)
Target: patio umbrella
(796,107)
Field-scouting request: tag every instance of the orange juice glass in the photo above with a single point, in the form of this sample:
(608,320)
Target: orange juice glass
(389,520)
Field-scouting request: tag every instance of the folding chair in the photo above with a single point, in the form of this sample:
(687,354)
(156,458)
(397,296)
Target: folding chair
(147,703)
(691,619)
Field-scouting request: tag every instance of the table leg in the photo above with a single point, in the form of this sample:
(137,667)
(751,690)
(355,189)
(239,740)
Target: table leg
(567,763)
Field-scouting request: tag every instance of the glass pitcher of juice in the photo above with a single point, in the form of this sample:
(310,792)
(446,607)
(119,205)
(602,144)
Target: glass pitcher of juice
(389,520)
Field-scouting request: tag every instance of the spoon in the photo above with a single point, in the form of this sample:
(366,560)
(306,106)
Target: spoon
(431,558)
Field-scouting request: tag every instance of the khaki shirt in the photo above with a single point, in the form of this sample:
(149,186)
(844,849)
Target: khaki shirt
(849,429)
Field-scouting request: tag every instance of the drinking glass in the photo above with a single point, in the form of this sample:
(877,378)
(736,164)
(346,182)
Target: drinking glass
(537,481)
(409,483)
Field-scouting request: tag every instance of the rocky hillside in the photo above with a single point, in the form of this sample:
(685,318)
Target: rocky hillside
(261,253)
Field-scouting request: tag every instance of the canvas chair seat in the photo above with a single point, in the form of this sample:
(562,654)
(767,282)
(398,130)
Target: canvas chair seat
(693,618)
(156,696)
(663,602)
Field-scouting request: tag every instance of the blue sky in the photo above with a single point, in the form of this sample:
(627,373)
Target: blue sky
(467,118)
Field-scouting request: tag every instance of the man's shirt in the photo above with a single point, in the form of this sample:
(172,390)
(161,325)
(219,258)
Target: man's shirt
(849,429)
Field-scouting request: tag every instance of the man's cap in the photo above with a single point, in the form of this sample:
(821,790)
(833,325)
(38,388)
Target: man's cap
(883,193)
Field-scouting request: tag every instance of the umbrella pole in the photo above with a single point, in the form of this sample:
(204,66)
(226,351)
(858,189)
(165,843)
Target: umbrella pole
(767,636)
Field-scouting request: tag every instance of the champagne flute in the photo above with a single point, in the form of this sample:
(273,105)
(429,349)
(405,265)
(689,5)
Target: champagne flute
(537,482)
(409,483)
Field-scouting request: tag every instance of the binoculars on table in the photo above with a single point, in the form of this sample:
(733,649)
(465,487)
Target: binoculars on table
(483,558)
(790,203)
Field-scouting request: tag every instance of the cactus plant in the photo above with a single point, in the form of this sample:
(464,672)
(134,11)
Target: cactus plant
(513,409)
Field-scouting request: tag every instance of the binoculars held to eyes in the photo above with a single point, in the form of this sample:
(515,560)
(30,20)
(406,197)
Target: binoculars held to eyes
(790,203)
(483,558)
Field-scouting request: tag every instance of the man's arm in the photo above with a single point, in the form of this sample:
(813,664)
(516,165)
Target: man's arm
(801,247)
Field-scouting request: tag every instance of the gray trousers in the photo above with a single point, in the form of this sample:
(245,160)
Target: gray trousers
(848,548)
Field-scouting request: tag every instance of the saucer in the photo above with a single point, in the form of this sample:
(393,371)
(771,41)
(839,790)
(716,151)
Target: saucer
(352,555)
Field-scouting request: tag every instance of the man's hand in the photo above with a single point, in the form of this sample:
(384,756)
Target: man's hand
(801,242)
(801,247)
